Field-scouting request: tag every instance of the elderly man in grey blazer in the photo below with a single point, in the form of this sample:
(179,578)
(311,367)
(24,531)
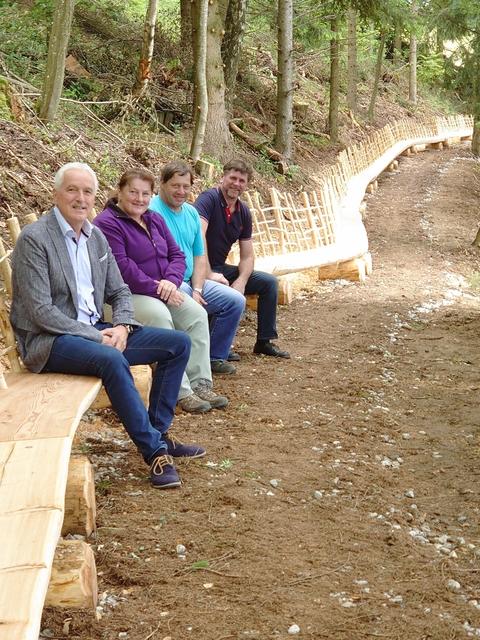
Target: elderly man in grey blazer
(63,272)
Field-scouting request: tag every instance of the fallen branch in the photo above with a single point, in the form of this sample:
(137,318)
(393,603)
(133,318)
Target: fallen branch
(275,156)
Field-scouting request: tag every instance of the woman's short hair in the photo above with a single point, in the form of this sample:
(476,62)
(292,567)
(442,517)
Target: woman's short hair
(178,166)
(138,173)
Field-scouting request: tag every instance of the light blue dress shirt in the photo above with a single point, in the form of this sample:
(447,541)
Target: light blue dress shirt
(78,252)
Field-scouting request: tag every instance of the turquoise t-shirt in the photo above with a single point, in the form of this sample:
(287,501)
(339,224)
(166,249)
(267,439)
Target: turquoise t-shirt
(185,227)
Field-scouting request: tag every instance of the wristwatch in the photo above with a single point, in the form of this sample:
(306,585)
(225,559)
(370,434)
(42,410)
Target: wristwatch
(200,291)
(128,327)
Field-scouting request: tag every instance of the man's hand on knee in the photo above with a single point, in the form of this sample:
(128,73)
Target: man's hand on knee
(218,277)
(115,337)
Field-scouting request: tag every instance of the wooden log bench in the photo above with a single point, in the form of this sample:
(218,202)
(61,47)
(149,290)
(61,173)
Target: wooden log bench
(45,493)
(39,415)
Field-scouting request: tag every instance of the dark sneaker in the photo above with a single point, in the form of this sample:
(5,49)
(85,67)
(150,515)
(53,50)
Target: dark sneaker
(177,449)
(270,349)
(221,366)
(194,404)
(163,474)
(233,357)
(204,391)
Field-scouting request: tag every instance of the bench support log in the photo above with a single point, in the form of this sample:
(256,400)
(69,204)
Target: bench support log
(355,270)
(73,581)
(80,506)
(142,375)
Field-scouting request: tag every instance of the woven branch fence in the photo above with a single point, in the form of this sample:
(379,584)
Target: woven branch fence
(325,226)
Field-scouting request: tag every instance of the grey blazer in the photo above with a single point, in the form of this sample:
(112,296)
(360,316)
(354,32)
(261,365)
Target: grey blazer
(44,297)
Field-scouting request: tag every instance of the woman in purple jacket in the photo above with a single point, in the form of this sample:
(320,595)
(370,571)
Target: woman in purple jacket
(153,266)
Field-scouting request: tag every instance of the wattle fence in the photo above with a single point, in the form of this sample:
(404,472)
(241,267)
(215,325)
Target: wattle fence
(325,227)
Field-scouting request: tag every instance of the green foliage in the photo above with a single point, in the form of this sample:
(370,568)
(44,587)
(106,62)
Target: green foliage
(225,465)
(103,486)
(23,41)
(82,89)
(265,167)
(116,9)
(318,141)
(107,173)
(169,17)
(5,113)
(430,68)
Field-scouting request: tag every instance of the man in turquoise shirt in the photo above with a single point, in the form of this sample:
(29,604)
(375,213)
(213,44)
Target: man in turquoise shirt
(223,304)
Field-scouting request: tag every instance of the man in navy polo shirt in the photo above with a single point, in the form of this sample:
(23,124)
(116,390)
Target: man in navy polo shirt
(226,219)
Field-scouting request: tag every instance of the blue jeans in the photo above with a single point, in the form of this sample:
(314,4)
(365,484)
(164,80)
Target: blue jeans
(266,286)
(224,307)
(168,349)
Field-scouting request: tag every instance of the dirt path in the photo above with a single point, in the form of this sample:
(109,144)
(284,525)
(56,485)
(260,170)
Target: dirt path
(340,491)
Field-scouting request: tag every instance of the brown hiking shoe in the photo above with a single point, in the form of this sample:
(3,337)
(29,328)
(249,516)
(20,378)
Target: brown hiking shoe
(222,366)
(204,391)
(194,404)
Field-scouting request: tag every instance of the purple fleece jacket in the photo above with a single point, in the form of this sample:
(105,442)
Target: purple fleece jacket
(142,258)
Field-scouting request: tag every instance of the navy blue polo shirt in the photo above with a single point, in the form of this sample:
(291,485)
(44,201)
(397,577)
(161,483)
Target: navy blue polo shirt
(225,227)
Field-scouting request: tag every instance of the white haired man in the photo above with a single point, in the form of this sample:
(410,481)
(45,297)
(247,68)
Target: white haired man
(63,272)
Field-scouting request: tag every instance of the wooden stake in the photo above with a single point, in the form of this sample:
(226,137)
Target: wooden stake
(14,228)
(367,257)
(73,581)
(30,217)
(285,291)
(8,336)
(5,268)
(277,212)
(80,508)
(310,220)
(3,382)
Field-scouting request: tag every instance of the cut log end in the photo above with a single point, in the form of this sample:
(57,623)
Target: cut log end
(354,270)
(205,169)
(73,581)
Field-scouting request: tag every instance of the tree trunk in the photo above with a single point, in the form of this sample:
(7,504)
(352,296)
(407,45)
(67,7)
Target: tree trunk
(186,31)
(378,72)
(284,124)
(57,51)
(201,94)
(438,42)
(352,71)
(217,135)
(476,137)
(232,46)
(412,80)
(397,46)
(476,96)
(146,57)
(334,82)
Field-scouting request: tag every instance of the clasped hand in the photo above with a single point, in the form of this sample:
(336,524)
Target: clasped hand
(168,293)
(115,337)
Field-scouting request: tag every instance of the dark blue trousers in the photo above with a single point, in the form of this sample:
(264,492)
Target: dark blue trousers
(266,287)
(169,350)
